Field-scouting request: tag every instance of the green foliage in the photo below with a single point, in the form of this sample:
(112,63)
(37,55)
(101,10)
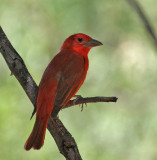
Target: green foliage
(125,66)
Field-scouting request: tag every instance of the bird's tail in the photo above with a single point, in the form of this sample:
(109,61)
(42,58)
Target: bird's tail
(36,138)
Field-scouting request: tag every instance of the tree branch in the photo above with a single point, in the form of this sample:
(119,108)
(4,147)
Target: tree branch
(86,100)
(149,28)
(65,142)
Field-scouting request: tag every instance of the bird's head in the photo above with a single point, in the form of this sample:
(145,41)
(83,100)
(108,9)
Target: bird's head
(80,43)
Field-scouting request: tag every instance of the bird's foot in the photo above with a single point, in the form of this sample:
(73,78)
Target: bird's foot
(82,105)
(78,97)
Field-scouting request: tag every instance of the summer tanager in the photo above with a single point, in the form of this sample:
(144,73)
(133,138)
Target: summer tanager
(61,80)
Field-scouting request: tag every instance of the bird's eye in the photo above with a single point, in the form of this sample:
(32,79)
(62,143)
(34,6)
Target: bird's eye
(80,39)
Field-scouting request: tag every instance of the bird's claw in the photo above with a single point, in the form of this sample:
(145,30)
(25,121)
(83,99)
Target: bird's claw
(77,98)
(83,106)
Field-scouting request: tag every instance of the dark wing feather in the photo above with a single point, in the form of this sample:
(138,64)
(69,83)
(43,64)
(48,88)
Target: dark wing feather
(71,79)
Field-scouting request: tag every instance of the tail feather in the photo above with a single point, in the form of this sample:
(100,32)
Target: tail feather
(36,138)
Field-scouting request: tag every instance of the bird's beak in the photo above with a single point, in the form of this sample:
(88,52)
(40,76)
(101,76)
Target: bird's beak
(93,43)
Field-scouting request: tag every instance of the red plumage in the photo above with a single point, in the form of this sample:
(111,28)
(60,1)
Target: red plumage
(61,80)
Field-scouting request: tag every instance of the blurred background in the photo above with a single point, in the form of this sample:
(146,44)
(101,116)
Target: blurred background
(125,66)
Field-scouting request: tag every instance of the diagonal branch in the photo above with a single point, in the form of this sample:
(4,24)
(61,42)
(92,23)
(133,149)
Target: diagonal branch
(64,140)
(136,6)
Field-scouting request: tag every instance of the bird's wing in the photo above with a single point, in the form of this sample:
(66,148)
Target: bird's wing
(71,79)
(61,80)
(46,96)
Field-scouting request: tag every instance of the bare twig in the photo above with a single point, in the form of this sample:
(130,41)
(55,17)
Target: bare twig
(136,6)
(90,100)
(65,142)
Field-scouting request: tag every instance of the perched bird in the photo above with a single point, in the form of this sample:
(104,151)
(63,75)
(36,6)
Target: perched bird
(61,80)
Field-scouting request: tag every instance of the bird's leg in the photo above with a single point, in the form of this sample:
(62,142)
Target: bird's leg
(77,98)
(83,106)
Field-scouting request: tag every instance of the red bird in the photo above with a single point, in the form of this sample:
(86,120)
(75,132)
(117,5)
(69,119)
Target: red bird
(61,80)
